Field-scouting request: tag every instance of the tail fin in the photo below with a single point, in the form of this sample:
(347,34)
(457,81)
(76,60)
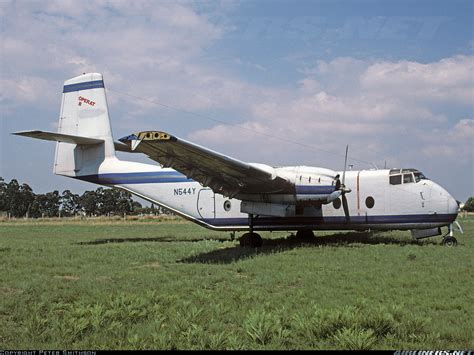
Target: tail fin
(84,113)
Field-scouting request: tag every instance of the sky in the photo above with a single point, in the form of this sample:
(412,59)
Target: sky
(276,82)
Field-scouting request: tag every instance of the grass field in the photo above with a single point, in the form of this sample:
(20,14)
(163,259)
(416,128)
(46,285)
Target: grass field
(173,285)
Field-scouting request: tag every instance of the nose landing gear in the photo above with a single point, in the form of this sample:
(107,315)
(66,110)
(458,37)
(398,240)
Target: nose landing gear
(448,239)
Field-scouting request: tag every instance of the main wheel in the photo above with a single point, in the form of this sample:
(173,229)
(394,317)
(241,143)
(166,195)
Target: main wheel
(305,234)
(253,240)
(450,242)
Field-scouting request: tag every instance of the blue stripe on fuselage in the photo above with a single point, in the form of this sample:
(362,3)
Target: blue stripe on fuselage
(83,86)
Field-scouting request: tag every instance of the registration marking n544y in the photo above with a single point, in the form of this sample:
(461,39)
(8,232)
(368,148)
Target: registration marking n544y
(185,191)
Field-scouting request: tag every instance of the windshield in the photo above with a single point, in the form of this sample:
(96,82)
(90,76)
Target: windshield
(419,176)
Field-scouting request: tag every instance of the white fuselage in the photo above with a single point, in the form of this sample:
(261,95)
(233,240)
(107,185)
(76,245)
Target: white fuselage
(414,205)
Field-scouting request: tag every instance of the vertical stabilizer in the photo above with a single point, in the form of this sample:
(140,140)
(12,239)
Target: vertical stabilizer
(84,113)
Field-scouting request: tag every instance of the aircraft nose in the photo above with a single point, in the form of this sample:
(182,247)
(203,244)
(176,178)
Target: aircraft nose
(446,202)
(453,205)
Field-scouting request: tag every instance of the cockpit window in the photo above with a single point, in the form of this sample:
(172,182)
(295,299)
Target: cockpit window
(407,178)
(419,176)
(395,180)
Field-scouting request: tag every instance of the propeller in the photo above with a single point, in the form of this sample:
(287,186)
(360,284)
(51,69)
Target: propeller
(341,187)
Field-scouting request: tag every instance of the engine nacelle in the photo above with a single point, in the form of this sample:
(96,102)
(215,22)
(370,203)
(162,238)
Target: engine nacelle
(308,186)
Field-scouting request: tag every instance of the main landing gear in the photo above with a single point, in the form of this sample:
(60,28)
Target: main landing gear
(305,235)
(448,239)
(251,239)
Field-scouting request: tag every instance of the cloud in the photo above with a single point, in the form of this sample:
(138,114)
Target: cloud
(400,110)
(375,105)
(130,42)
(449,79)
(456,143)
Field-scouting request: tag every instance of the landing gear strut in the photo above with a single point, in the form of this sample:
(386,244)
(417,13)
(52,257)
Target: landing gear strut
(251,239)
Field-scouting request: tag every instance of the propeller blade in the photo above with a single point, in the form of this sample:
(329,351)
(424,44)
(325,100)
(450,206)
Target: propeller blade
(346,207)
(345,165)
(334,195)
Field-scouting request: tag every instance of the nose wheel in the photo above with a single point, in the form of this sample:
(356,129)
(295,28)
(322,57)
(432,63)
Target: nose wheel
(450,241)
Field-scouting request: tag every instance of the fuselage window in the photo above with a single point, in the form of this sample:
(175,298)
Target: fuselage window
(369,202)
(395,180)
(227,205)
(407,178)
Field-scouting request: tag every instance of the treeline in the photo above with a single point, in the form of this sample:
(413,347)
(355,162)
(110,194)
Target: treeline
(19,200)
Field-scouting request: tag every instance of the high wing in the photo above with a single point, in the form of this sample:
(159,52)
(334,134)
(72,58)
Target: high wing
(223,174)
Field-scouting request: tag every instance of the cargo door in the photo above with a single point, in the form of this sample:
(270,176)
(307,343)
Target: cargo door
(206,204)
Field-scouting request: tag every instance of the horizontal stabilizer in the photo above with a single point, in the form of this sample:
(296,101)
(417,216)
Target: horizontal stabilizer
(59,137)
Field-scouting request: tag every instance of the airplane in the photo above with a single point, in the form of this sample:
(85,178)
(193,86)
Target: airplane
(223,193)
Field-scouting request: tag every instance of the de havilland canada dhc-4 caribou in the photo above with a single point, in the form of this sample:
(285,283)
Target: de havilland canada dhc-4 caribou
(223,193)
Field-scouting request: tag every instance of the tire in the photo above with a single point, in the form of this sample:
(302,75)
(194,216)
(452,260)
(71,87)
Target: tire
(305,234)
(253,240)
(450,242)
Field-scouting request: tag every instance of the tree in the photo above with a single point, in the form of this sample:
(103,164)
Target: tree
(109,198)
(3,189)
(88,201)
(18,199)
(469,205)
(53,202)
(124,203)
(37,207)
(116,201)
(70,203)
